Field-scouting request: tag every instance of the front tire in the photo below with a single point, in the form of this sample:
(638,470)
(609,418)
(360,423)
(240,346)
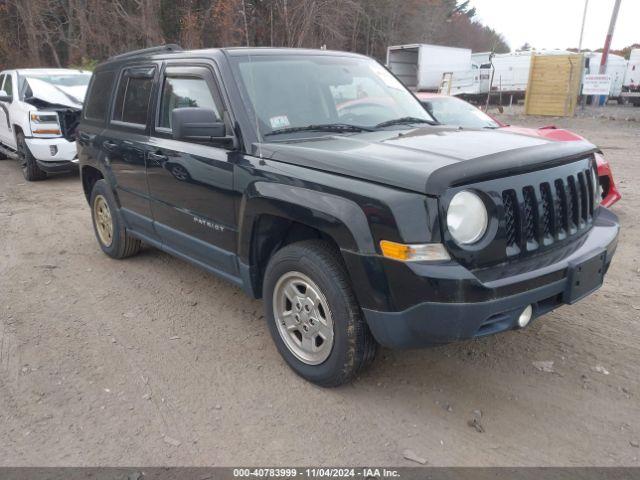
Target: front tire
(30,169)
(112,236)
(313,315)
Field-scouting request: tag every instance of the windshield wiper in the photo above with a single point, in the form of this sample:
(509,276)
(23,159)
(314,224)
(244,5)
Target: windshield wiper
(404,121)
(326,127)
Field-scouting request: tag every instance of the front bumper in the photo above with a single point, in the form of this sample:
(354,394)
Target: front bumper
(52,150)
(446,302)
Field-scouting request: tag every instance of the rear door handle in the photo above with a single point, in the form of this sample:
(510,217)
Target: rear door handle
(158,158)
(85,137)
(109,146)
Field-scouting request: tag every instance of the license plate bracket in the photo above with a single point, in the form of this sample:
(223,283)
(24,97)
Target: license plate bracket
(584,277)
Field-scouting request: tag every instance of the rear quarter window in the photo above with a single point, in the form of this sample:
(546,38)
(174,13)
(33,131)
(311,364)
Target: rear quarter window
(98,97)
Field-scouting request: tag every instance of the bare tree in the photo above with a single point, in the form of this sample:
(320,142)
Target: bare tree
(72,32)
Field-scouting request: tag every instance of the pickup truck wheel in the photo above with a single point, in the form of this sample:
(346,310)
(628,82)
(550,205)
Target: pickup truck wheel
(313,315)
(30,168)
(108,224)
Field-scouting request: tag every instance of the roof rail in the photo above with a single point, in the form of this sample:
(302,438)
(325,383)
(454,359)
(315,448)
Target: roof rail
(171,47)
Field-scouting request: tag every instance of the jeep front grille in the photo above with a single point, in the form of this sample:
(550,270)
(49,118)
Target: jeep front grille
(547,212)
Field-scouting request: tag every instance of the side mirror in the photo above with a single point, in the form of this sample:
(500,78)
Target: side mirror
(4,97)
(194,123)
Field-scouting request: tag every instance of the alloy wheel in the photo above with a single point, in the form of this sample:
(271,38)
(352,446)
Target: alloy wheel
(103,220)
(303,318)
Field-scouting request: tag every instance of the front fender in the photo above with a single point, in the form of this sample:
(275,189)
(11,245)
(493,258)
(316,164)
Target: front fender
(338,217)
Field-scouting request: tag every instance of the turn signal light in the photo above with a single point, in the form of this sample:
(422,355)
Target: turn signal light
(47,131)
(424,252)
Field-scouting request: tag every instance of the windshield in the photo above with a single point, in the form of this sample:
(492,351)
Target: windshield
(63,80)
(297,91)
(453,111)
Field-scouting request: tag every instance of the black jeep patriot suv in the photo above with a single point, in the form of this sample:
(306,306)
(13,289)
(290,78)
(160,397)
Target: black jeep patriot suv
(316,180)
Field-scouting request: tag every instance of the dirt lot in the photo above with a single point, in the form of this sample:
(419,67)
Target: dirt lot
(150,361)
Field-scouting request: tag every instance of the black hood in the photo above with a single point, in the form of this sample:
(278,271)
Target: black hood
(427,160)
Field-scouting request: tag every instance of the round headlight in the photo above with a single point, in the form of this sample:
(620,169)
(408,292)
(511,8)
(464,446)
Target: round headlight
(467,218)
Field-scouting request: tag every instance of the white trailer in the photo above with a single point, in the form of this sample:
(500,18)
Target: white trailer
(481,58)
(631,84)
(632,75)
(511,70)
(423,67)
(616,68)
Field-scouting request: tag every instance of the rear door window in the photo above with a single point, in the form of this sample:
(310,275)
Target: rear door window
(134,93)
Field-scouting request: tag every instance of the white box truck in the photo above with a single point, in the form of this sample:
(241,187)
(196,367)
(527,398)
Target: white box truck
(423,67)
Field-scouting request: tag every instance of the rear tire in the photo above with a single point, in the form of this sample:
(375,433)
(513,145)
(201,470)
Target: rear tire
(30,169)
(108,225)
(315,270)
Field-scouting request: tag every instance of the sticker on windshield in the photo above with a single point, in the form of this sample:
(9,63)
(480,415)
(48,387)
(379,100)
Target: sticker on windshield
(280,121)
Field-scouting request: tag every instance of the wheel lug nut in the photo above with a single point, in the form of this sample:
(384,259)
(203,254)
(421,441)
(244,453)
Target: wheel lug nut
(297,317)
(305,328)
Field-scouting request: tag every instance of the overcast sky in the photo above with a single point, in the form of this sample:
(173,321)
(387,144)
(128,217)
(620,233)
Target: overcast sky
(556,23)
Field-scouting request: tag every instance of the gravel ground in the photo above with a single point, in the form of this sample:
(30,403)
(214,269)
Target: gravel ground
(150,361)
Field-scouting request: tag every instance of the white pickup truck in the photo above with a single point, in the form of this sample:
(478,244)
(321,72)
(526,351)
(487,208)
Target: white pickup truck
(39,114)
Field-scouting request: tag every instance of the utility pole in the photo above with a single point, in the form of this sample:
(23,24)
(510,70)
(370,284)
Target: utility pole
(607,42)
(583,100)
(607,45)
(584,19)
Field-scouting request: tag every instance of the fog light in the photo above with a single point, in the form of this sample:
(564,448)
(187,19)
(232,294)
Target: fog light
(525,316)
(53,149)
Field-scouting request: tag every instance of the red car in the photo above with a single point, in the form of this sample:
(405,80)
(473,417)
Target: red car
(454,111)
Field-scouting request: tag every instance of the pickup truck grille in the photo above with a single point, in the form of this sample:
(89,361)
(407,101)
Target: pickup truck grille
(547,212)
